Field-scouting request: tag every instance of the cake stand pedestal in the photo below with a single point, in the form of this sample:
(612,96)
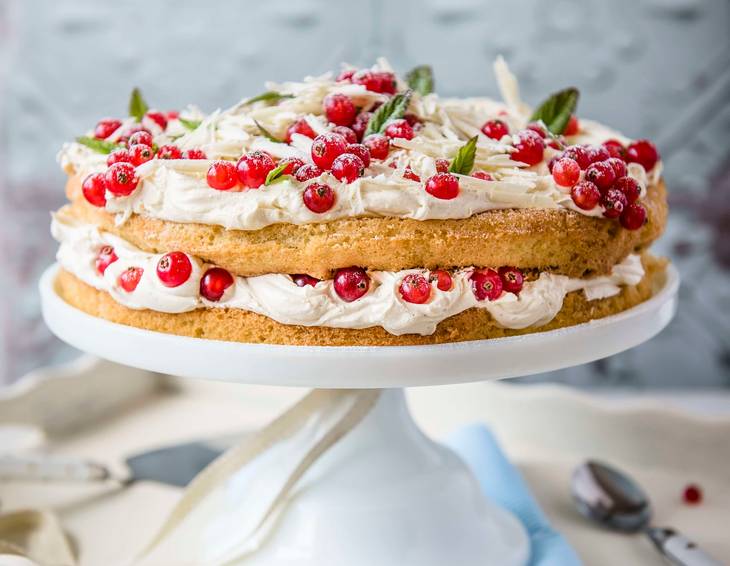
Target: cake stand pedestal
(384,493)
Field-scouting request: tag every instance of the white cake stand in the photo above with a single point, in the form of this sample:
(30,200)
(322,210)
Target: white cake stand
(385,494)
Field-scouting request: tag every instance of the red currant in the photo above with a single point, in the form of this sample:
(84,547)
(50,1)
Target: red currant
(120,155)
(442,165)
(538,129)
(601,174)
(351,283)
(302,127)
(307,172)
(495,129)
(633,217)
(318,197)
(121,179)
(222,175)
(615,149)
(140,154)
(415,289)
(618,165)
(214,283)
(194,154)
(169,152)
(326,147)
(483,175)
(174,269)
(157,117)
(410,175)
(629,187)
(486,284)
(143,137)
(598,153)
(614,202)
(573,126)
(129,278)
(443,279)
(339,109)
(361,151)
(376,81)
(106,128)
(443,185)
(643,152)
(585,195)
(566,172)
(292,165)
(105,258)
(345,76)
(512,279)
(399,129)
(530,148)
(347,133)
(378,144)
(579,154)
(302,280)
(94,189)
(253,168)
(361,123)
(347,167)
(692,494)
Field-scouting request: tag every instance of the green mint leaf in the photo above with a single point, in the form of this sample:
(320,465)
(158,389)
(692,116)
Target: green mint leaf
(555,112)
(137,105)
(420,79)
(266,133)
(391,110)
(463,162)
(190,124)
(276,174)
(268,96)
(99,146)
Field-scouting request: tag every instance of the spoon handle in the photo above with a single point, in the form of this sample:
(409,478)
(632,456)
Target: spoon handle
(678,549)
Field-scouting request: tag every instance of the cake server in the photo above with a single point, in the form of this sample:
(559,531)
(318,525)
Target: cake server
(614,500)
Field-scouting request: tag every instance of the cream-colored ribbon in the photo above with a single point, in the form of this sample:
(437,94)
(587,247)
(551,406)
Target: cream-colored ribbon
(324,416)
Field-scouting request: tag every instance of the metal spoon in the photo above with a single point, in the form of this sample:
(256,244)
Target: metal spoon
(614,500)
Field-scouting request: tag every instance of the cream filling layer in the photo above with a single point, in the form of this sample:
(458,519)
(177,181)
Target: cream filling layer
(279,298)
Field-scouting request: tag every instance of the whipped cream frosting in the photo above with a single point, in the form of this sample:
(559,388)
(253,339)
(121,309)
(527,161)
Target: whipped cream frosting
(278,297)
(177,191)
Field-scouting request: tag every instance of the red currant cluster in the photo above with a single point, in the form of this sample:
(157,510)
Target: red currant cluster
(490,284)
(136,146)
(605,180)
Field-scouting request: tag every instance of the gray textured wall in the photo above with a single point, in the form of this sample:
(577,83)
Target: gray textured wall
(656,68)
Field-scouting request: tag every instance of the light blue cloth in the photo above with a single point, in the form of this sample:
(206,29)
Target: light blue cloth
(504,485)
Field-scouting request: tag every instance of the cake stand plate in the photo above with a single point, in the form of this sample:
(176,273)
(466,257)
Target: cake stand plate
(385,493)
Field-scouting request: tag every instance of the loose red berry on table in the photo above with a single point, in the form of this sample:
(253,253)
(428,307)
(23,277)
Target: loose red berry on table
(512,279)
(378,144)
(410,175)
(573,126)
(346,75)
(629,187)
(692,494)
(307,172)
(94,189)
(347,167)
(483,175)
(399,129)
(585,195)
(120,155)
(121,179)
(174,269)
(442,165)
(158,118)
(495,129)
(615,149)
(643,152)
(106,128)
(443,279)
(347,133)
(601,174)
(580,154)
(326,148)
(415,289)
(169,152)
(318,197)
(339,109)
(214,283)
(618,165)
(361,151)
(361,123)
(614,202)
(253,168)
(566,172)
(222,176)
(301,127)
(376,81)
(486,284)
(302,280)
(140,153)
(443,185)
(538,129)
(633,217)
(530,148)
(292,165)
(143,137)
(129,278)
(194,154)
(351,283)
(105,258)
